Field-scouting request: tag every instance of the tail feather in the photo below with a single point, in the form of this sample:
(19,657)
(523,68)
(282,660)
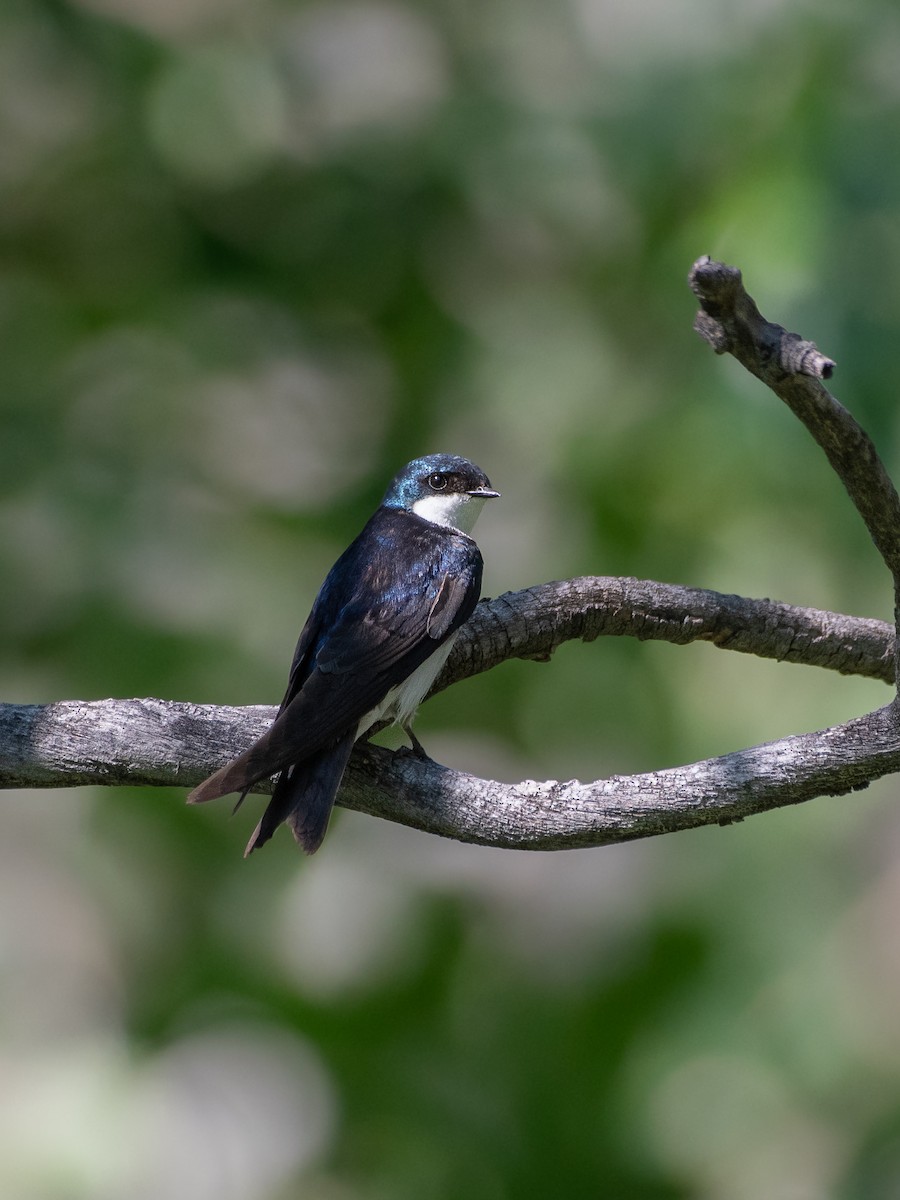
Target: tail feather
(237,776)
(304,797)
(240,774)
(225,780)
(284,742)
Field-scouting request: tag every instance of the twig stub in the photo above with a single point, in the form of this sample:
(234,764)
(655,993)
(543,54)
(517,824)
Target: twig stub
(729,319)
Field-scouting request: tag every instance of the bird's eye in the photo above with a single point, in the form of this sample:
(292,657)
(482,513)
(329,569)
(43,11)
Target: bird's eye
(437,482)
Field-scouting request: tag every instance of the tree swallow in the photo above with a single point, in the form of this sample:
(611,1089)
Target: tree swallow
(380,630)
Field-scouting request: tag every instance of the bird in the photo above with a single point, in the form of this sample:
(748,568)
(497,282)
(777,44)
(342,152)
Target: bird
(379,632)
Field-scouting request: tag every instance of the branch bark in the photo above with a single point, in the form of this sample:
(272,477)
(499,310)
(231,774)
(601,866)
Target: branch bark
(156,742)
(793,368)
(535,622)
(160,742)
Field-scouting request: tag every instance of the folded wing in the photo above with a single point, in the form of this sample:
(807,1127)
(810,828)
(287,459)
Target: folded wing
(391,599)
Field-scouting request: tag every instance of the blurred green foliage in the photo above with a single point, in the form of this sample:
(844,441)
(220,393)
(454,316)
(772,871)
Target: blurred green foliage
(253,257)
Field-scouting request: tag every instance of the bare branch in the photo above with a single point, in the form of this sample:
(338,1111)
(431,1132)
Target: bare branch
(156,742)
(565,815)
(166,742)
(534,622)
(160,742)
(793,368)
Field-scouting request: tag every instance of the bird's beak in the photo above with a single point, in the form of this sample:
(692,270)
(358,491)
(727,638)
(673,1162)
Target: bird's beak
(484,493)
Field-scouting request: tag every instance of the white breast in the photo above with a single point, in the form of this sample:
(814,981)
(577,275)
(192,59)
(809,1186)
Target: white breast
(401,702)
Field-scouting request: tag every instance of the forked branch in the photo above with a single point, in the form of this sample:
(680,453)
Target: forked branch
(155,742)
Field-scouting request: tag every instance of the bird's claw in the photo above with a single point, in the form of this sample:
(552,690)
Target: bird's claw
(415,747)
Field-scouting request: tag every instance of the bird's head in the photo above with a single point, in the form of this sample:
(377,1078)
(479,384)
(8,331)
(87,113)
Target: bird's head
(442,488)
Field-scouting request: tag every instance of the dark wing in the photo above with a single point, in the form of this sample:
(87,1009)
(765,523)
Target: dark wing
(398,592)
(331,612)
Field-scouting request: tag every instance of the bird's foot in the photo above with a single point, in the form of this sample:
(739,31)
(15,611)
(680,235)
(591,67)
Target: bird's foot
(415,747)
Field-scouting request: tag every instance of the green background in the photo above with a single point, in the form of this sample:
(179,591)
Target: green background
(253,257)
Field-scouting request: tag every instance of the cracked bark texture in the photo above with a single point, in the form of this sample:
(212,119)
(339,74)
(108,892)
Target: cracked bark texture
(157,742)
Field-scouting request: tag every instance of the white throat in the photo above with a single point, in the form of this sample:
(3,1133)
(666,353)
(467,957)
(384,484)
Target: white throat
(452,510)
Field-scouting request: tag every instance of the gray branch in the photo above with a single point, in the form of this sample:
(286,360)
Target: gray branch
(157,742)
(793,368)
(533,623)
